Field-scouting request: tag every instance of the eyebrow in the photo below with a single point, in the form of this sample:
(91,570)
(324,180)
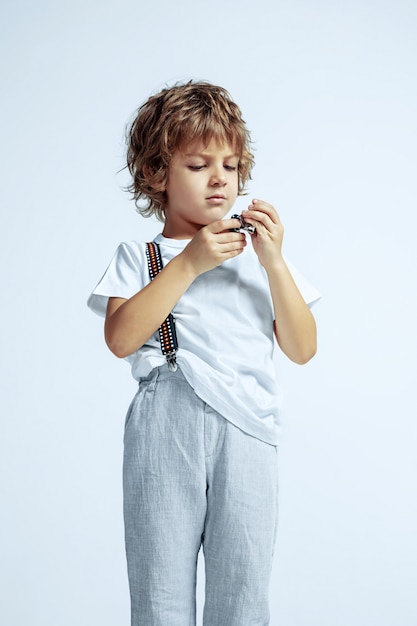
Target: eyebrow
(208,154)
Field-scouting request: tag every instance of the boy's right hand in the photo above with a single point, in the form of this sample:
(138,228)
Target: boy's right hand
(129,323)
(212,245)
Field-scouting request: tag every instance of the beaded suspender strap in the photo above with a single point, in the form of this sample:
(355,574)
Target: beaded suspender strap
(167,333)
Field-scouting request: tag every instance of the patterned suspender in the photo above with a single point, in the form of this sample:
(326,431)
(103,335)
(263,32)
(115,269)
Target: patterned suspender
(167,333)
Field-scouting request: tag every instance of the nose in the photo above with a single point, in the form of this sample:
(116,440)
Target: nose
(218,177)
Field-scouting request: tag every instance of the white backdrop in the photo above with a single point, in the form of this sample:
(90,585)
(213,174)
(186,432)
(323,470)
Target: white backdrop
(329,91)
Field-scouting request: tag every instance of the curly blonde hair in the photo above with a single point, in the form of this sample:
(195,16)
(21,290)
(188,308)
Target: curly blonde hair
(170,119)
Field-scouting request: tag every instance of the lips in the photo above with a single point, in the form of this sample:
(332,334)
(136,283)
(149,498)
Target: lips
(217,196)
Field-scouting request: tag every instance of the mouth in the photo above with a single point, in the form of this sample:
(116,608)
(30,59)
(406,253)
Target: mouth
(216,197)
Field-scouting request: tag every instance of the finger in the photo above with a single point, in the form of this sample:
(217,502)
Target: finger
(223,225)
(258,218)
(230,237)
(269,219)
(233,247)
(264,207)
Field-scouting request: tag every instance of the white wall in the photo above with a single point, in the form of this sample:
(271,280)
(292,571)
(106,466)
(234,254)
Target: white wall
(329,90)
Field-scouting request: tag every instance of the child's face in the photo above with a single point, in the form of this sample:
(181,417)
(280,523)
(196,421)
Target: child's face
(202,187)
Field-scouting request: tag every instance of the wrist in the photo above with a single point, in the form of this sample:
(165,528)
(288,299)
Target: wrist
(185,266)
(275,266)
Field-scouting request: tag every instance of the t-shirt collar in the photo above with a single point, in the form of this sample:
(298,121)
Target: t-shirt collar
(171,243)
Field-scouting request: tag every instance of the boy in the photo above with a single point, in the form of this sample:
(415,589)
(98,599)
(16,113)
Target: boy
(200,461)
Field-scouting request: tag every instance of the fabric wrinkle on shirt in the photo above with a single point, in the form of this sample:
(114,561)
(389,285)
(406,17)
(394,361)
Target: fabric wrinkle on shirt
(224,324)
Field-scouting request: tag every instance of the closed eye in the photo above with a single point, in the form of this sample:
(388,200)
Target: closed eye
(196,168)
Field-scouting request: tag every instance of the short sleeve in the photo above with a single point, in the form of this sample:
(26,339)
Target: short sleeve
(309,293)
(122,279)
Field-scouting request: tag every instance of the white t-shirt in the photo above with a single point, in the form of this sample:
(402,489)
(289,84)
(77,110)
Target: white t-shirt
(224,324)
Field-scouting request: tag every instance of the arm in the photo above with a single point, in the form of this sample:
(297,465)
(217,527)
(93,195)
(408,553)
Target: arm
(294,326)
(129,323)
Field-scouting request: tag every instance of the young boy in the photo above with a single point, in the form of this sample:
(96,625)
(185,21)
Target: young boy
(200,461)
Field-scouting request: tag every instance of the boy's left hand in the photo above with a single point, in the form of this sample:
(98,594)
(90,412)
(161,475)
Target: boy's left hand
(267,241)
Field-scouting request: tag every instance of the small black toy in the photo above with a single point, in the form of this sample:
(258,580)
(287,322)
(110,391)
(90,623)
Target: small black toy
(243,226)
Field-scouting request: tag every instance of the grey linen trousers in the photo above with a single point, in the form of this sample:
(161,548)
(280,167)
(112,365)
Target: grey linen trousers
(192,479)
